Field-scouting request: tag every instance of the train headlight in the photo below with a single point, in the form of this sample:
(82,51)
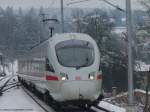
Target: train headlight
(92,76)
(64,76)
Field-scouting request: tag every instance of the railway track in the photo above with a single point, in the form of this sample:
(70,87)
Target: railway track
(4,78)
(41,104)
(11,85)
(69,108)
(47,106)
(4,81)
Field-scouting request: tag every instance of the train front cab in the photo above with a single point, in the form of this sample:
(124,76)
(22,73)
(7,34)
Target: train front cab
(77,76)
(74,88)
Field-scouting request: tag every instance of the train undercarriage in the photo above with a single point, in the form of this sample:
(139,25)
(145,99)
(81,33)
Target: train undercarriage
(48,99)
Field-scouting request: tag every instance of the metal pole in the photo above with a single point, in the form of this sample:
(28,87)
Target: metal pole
(62,17)
(130,67)
(147,89)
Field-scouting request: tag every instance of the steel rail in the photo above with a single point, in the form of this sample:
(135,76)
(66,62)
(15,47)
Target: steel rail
(29,94)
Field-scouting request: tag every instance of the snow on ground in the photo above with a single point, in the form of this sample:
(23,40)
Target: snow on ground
(1,78)
(141,91)
(2,81)
(16,100)
(111,107)
(141,66)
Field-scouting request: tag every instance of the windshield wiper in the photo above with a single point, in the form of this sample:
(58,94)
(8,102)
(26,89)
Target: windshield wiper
(83,65)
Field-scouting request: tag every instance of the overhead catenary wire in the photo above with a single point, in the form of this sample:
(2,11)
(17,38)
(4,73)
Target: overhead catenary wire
(106,1)
(74,2)
(111,4)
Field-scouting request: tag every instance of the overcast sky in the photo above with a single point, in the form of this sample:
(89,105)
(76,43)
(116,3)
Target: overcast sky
(56,3)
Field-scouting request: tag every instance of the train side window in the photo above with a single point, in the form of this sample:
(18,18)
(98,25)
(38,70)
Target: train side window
(49,67)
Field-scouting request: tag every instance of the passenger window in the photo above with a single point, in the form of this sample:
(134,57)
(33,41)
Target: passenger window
(49,67)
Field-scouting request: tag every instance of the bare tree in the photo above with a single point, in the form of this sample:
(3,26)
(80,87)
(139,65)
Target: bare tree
(77,16)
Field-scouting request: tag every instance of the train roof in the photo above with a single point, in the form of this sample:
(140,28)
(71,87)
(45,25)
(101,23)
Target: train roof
(72,35)
(66,36)
(56,39)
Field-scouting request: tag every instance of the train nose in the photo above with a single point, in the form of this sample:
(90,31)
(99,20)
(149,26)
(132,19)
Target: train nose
(79,90)
(70,91)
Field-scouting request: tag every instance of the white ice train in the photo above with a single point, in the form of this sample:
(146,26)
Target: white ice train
(66,66)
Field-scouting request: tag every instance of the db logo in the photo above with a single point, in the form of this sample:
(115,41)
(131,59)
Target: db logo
(78,78)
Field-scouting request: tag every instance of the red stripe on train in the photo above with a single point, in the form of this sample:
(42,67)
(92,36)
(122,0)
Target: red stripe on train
(78,78)
(99,77)
(50,77)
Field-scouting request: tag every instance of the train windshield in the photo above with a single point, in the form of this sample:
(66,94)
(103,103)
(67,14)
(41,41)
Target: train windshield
(75,53)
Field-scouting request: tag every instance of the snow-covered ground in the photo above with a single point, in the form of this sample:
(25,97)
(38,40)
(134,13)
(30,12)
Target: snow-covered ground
(111,107)
(142,66)
(16,100)
(3,80)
